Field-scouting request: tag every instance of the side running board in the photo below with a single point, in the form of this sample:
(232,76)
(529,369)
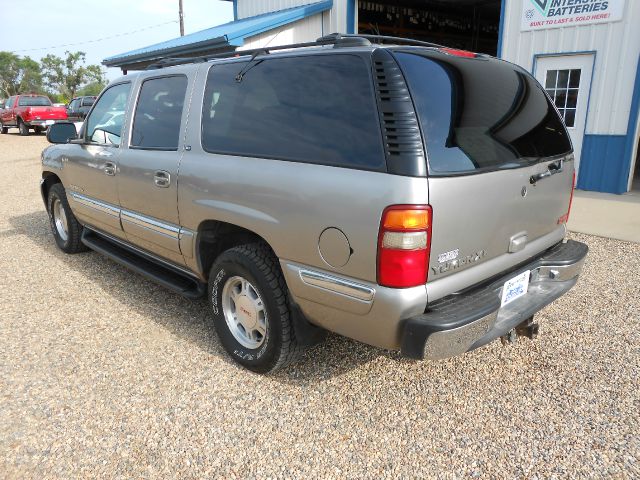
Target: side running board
(144,265)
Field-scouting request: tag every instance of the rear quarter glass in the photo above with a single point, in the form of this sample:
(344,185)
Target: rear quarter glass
(313,109)
(480,114)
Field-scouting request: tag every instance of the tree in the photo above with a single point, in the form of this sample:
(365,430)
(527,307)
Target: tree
(30,76)
(67,75)
(92,89)
(19,75)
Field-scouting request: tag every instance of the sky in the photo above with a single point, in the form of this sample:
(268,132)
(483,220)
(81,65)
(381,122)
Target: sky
(37,28)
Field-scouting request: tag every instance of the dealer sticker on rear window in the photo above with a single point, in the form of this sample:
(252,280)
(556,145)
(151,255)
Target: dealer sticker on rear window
(515,288)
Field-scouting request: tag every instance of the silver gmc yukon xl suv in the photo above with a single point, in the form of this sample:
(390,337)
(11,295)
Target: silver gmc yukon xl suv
(409,196)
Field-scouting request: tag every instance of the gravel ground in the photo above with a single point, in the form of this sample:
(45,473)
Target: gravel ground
(104,374)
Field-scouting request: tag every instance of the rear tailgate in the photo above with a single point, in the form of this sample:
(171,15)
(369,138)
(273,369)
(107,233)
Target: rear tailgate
(489,128)
(49,113)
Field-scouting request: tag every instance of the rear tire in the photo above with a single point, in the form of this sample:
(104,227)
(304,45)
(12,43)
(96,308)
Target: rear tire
(4,129)
(39,130)
(251,312)
(24,130)
(65,227)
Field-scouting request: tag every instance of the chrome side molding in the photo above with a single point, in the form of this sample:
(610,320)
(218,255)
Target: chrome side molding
(150,223)
(337,285)
(96,204)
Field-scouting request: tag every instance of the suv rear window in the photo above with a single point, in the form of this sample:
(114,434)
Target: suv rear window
(481,114)
(316,109)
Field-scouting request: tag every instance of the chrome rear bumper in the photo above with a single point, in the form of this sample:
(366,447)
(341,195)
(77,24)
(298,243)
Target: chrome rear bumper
(470,319)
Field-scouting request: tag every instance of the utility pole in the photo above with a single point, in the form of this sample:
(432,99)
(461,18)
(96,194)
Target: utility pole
(181,15)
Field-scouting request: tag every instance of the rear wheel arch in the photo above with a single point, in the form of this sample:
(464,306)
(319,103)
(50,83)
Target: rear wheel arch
(215,237)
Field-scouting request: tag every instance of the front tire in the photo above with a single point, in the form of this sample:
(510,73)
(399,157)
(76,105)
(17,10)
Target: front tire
(65,227)
(24,130)
(251,314)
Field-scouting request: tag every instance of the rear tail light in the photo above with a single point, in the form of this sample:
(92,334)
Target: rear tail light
(403,246)
(565,218)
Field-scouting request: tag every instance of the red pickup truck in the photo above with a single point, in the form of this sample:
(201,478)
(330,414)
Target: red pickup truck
(30,111)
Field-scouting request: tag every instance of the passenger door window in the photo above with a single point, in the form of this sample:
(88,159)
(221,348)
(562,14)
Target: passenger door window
(156,123)
(563,87)
(106,121)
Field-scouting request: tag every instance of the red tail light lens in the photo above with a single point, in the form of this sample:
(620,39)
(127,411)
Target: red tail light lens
(565,218)
(403,246)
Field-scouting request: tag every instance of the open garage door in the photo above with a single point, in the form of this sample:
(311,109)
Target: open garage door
(465,24)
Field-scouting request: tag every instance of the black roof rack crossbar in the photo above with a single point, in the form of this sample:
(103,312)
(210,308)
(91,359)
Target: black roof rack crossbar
(335,39)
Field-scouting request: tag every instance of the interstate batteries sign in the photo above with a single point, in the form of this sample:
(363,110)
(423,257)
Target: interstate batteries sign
(541,14)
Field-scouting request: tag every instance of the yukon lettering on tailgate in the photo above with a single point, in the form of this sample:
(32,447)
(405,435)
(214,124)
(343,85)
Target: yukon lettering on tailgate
(459,262)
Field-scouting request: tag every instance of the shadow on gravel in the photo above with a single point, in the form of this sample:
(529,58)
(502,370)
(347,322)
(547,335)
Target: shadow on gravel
(187,319)
(16,133)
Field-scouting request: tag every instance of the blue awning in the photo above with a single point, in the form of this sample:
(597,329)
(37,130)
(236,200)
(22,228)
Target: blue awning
(226,36)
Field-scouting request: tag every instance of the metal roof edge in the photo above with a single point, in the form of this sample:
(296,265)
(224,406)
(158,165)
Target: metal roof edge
(249,26)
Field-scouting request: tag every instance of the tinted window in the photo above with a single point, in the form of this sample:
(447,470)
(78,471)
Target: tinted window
(106,121)
(316,109)
(156,123)
(34,102)
(88,101)
(481,114)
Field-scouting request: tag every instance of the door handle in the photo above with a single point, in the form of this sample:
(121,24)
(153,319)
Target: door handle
(109,168)
(162,179)
(552,169)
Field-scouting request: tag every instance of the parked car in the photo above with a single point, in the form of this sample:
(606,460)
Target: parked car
(411,197)
(79,107)
(30,112)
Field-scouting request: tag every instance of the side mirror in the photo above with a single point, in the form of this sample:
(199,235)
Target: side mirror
(62,132)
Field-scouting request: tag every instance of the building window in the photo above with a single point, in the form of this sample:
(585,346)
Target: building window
(563,86)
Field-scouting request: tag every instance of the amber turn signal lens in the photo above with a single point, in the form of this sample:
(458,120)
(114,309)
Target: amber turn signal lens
(406,219)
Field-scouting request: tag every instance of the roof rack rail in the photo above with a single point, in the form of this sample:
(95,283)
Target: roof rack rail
(338,40)
(383,39)
(168,62)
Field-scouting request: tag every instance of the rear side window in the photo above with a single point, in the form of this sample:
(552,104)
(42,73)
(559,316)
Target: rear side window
(34,102)
(156,124)
(316,109)
(481,114)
